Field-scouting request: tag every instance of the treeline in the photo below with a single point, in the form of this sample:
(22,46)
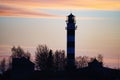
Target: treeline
(45,59)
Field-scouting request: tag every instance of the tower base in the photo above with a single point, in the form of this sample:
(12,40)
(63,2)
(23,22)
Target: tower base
(70,66)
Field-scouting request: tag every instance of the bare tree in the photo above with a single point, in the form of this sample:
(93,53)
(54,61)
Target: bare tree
(50,62)
(27,55)
(19,53)
(100,58)
(41,57)
(59,59)
(82,61)
(46,60)
(9,63)
(3,65)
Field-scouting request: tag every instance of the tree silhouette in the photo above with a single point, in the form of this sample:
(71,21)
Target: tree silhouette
(51,65)
(46,60)
(41,57)
(59,59)
(50,62)
(3,65)
(100,58)
(19,53)
(82,61)
(27,55)
(9,63)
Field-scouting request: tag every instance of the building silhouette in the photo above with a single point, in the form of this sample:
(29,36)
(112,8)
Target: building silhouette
(95,64)
(22,68)
(70,41)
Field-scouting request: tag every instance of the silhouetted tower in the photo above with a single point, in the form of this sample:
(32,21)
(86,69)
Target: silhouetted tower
(71,41)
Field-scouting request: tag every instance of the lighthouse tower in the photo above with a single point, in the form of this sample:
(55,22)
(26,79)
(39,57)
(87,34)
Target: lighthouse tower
(71,27)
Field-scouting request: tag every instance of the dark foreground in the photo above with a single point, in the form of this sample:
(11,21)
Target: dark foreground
(24,70)
(79,74)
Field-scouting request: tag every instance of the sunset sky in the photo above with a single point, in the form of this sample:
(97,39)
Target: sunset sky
(27,23)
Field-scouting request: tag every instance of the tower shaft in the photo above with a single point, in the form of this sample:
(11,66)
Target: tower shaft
(71,42)
(70,48)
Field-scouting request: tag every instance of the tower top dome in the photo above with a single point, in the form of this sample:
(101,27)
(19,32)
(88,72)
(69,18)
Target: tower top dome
(71,15)
(70,18)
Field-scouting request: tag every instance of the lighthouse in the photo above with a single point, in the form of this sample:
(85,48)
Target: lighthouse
(71,27)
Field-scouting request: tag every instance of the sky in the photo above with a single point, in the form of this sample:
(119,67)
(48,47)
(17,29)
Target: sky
(28,23)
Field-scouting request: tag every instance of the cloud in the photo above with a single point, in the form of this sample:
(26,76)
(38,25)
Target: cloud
(91,18)
(6,10)
(28,8)
(69,4)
